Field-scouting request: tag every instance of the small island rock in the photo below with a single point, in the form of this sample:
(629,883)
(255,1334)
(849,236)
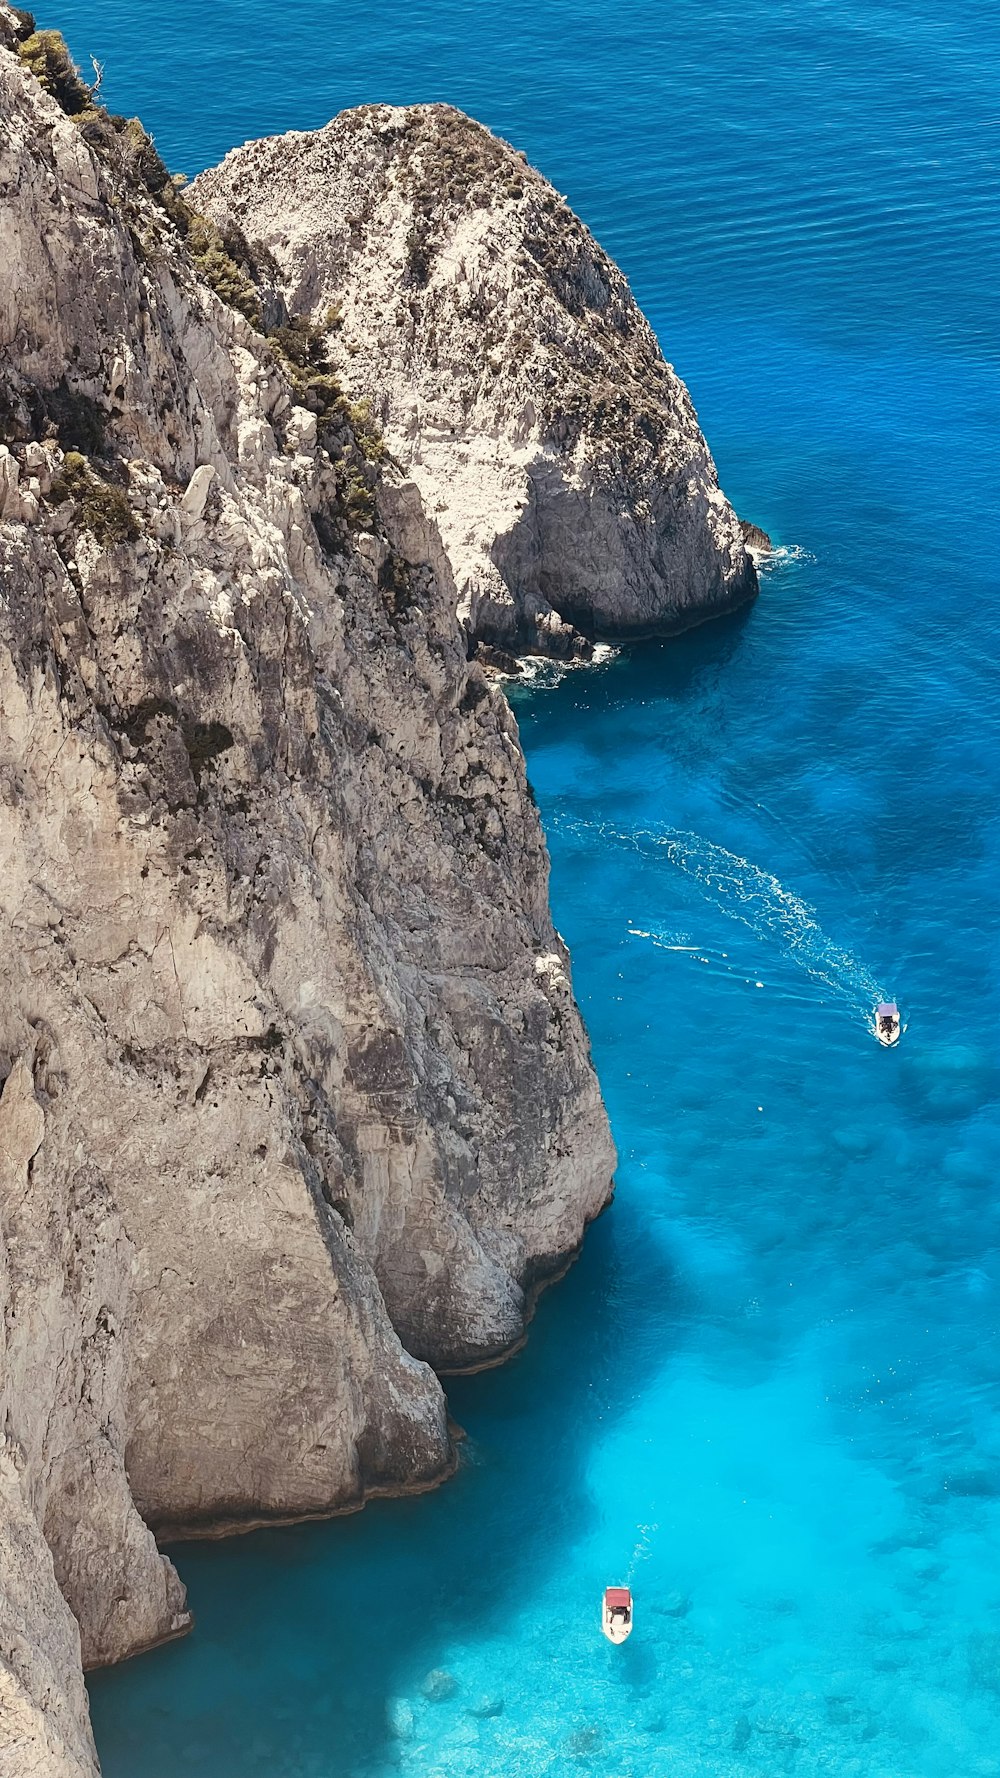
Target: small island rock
(511,370)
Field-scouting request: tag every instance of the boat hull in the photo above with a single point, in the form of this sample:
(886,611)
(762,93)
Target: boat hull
(615,1629)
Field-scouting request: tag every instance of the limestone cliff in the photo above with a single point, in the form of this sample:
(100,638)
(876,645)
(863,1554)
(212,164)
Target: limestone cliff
(296,1100)
(514,375)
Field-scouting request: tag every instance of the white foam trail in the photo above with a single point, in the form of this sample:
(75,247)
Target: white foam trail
(662,940)
(643,1549)
(753,897)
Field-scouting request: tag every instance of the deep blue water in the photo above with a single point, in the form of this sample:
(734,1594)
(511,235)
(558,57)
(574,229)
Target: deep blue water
(768,1393)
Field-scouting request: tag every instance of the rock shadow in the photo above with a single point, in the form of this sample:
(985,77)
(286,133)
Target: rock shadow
(308,1637)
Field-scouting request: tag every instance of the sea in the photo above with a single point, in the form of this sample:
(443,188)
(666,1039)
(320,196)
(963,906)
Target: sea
(768,1394)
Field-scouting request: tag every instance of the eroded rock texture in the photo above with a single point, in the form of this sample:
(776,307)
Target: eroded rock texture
(515,377)
(296,1099)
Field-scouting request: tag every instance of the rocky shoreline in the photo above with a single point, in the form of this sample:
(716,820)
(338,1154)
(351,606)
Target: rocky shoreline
(510,370)
(297,1108)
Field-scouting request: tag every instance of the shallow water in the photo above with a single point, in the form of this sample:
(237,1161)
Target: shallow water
(767,1394)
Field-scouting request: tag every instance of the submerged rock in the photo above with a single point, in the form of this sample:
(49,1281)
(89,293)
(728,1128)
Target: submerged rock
(973,1481)
(510,367)
(984,1660)
(742,1732)
(439,1685)
(584,1742)
(400,1718)
(855,1140)
(951,1080)
(486,1706)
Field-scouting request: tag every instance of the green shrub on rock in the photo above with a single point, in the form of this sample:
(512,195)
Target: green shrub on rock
(45,54)
(367,433)
(238,272)
(302,351)
(210,251)
(224,259)
(99,506)
(360,510)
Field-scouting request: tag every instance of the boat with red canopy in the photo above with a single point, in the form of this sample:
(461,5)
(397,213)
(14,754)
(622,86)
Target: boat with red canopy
(888,1024)
(616,1613)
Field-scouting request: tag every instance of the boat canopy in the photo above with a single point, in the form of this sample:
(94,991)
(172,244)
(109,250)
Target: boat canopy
(618,1597)
(887,1009)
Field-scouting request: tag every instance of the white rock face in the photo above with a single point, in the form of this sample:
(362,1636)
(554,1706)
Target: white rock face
(296,1099)
(514,375)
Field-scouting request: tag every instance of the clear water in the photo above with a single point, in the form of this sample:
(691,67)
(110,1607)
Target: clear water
(767,1394)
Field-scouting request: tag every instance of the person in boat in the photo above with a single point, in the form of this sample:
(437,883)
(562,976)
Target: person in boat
(887,1024)
(623,1612)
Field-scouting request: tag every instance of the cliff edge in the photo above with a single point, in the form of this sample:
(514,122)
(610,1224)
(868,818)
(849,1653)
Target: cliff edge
(512,372)
(296,1101)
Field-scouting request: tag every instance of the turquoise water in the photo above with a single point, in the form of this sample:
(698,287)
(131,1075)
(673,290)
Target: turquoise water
(767,1394)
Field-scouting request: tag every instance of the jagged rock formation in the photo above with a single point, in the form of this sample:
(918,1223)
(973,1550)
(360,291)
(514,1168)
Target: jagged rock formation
(514,375)
(296,1101)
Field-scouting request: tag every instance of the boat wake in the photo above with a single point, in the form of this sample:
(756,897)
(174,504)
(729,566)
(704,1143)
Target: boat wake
(642,1550)
(754,898)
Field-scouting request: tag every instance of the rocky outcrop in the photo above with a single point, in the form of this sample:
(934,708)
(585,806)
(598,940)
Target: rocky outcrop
(296,1100)
(515,377)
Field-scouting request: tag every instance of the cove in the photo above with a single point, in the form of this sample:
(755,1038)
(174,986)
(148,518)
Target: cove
(767,1392)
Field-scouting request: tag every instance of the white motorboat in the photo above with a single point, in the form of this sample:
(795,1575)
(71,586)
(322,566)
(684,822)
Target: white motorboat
(616,1613)
(888,1024)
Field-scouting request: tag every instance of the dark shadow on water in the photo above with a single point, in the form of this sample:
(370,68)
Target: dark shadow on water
(639,1669)
(677,669)
(304,1635)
